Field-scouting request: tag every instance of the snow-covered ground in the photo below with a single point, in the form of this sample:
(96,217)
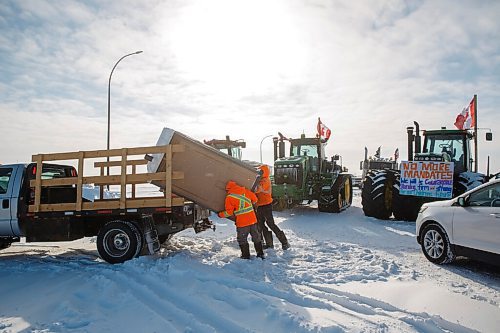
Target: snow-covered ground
(344,273)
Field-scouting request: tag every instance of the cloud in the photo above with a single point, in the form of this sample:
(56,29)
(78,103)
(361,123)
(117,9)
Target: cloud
(244,68)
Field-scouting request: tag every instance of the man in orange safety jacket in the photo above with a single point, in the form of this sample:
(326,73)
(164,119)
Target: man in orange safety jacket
(265,211)
(239,202)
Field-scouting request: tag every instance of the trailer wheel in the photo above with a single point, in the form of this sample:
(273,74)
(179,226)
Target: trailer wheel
(376,196)
(119,241)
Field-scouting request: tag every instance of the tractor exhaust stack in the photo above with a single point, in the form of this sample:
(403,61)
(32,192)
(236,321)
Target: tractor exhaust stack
(410,142)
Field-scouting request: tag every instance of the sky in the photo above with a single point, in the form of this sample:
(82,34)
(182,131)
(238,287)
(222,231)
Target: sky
(247,69)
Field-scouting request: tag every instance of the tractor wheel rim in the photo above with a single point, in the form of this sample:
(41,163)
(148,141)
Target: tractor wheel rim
(433,244)
(347,191)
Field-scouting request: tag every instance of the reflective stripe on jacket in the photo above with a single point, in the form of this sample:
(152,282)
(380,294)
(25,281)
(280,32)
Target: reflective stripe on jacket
(239,202)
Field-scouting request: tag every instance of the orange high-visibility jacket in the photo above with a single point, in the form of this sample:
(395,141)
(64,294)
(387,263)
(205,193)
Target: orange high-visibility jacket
(264,190)
(239,202)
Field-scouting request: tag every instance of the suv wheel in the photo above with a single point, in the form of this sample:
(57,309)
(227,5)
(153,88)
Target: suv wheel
(436,245)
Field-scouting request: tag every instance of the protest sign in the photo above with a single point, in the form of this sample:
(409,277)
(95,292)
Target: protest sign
(427,179)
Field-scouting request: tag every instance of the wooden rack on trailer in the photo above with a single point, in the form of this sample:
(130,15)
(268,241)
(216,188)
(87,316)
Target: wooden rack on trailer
(123,179)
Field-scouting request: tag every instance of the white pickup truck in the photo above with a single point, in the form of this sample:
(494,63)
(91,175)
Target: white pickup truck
(122,234)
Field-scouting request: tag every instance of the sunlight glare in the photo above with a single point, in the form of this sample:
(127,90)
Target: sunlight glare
(238,48)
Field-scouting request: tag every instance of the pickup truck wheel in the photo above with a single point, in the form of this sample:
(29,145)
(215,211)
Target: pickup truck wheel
(119,241)
(436,245)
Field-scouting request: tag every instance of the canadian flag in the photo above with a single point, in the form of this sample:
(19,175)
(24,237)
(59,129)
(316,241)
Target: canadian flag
(465,119)
(323,131)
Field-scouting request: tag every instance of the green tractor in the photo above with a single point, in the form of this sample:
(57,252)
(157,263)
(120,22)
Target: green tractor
(445,163)
(307,175)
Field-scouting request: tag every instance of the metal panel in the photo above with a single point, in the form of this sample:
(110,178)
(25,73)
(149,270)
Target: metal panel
(206,170)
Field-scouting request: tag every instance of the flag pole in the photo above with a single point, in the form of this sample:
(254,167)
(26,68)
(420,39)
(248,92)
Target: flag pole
(475,133)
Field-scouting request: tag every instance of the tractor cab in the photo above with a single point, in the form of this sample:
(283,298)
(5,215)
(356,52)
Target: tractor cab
(230,147)
(310,149)
(448,146)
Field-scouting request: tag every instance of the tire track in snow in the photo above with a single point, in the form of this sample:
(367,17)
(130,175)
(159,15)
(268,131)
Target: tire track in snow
(242,293)
(362,307)
(171,305)
(285,270)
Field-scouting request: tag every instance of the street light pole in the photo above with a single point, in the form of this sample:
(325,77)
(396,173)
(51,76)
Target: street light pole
(109,98)
(267,136)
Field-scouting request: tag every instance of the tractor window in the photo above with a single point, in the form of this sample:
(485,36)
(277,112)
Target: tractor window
(236,152)
(305,150)
(450,146)
(380,165)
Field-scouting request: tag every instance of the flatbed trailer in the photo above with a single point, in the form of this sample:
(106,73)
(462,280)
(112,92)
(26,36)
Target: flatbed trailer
(47,204)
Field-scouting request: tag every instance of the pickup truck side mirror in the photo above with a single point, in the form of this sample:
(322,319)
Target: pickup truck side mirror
(462,202)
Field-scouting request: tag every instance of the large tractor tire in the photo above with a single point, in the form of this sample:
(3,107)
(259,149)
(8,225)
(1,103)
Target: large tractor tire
(119,241)
(338,197)
(404,207)
(346,192)
(376,196)
(466,181)
(280,204)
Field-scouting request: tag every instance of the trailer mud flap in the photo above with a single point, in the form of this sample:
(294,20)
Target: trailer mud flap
(150,234)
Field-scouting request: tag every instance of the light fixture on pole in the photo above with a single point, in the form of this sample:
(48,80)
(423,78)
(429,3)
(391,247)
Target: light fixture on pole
(267,136)
(109,98)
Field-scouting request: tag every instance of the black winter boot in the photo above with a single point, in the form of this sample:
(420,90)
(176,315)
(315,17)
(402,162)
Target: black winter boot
(282,238)
(245,251)
(268,238)
(259,250)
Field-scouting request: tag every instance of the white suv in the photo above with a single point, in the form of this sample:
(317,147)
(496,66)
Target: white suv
(468,225)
